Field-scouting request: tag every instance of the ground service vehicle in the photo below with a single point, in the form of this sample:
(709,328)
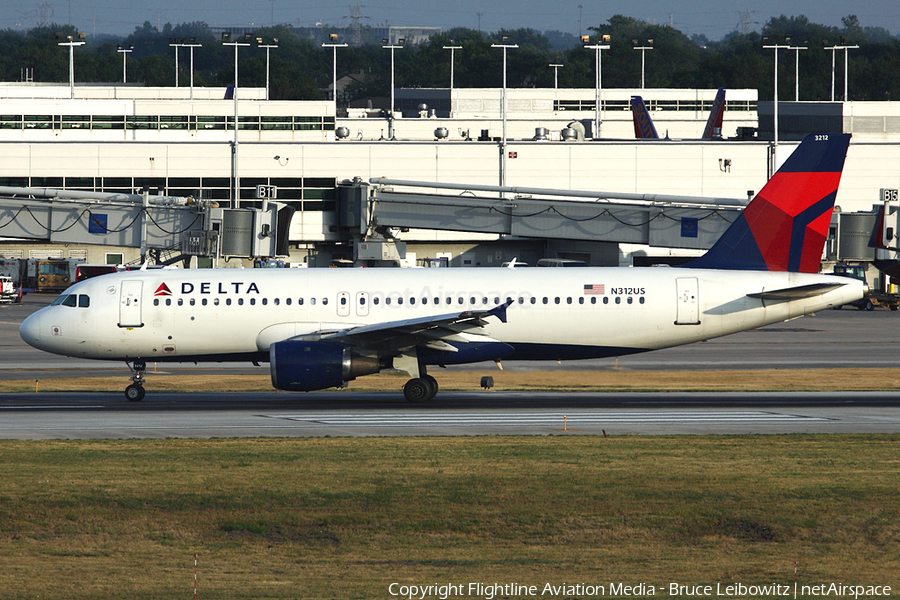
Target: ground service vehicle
(872,298)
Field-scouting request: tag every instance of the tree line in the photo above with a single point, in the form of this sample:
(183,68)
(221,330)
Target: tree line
(300,69)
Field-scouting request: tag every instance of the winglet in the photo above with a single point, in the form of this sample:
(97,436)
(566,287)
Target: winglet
(717,114)
(643,124)
(500,310)
(785,227)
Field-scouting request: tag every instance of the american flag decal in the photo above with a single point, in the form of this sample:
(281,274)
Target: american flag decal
(595,289)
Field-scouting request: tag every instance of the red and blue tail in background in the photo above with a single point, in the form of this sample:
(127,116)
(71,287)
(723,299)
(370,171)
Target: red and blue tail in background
(643,124)
(716,116)
(785,226)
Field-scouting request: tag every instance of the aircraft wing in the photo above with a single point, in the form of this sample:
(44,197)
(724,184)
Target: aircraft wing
(795,293)
(433,331)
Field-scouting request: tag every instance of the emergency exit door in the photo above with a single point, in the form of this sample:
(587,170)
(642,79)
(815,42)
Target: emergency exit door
(688,301)
(130,304)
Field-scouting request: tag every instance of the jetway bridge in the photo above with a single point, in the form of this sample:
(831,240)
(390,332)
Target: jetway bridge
(166,228)
(653,219)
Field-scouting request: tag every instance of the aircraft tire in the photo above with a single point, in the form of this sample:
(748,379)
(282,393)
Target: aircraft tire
(434,385)
(418,390)
(134,393)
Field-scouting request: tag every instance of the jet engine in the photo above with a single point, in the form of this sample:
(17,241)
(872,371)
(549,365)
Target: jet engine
(302,366)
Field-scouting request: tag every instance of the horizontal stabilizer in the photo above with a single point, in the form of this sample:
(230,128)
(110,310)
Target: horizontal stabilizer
(796,293)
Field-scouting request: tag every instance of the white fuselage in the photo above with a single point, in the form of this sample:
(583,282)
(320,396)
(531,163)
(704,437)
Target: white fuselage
(235,314)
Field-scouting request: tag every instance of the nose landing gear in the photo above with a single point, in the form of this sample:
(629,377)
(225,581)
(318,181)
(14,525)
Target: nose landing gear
(135,392)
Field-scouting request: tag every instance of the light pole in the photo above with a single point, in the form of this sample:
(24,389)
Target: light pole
(642,48)
(226,41)
(192,43)
(598,80)
(71,44)
(452,50)
(385,43)
(175,43)
(124,51)
(556,68)
(796,50)
(769,42)
(505,46)
(332,37)
(841,46)
(274,44)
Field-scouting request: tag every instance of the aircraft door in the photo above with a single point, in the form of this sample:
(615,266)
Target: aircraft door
(362,304)
(687,301)
(130,304)
(343,304)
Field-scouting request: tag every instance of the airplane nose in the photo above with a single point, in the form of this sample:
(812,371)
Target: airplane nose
(30,330)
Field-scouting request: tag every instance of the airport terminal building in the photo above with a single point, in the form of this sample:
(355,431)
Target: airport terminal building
(182,142)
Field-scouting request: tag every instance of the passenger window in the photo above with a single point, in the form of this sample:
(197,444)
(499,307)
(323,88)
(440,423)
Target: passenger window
(168,302)
(299,301)
(521,300)
(618,300)
(460,300)
(252,301)
(605,300)
(227,301)
(556,300)
(362,300)
(424,300)
(276,301)
(287,301)
(569,300)
(215,301)
(472,300)
(387,301)
(312,301)
(400,300)
(203,302)
(545,300)
(180,301)
(193,302)
(630,300)
(641,300)
(265,301)
(412,300)
(375,301)
(593,299)
(343,301)
(533,300)
(156,302)
(581,300)
(324,301)
(240,301)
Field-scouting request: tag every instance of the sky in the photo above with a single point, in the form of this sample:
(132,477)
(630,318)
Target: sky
(712,18)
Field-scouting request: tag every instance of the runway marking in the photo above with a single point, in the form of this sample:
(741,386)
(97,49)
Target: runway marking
(572,418)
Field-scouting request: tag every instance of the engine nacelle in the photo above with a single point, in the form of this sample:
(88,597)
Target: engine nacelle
(301,366)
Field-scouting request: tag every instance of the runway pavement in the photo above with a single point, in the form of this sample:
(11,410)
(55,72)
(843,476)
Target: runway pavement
(319,414)
(846,338)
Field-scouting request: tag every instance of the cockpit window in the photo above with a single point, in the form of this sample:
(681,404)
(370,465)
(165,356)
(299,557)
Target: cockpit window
(59,299)
(84,301)
(70,300)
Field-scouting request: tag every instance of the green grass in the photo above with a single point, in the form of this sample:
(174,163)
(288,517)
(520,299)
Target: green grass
(344,518)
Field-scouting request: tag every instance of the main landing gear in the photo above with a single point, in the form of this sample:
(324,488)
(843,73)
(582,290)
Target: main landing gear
(135,391)
(420,389)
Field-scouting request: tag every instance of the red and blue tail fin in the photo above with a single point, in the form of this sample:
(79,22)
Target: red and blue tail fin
(785,226)
(714,123)
(643,124)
